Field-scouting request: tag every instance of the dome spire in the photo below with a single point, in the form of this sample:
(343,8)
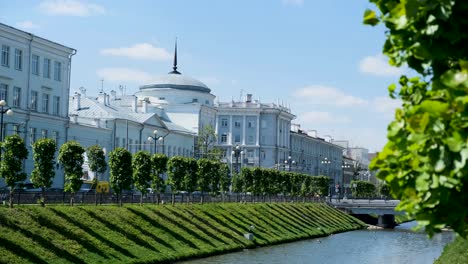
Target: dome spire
(174,67)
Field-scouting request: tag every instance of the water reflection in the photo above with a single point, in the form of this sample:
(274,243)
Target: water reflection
(400,245)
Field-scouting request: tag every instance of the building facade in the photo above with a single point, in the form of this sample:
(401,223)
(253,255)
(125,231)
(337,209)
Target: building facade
(35,84)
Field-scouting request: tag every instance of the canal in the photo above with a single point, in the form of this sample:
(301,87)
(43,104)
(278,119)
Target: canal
(400,245)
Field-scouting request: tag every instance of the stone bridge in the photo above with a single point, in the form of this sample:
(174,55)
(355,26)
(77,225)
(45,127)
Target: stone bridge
(385,209)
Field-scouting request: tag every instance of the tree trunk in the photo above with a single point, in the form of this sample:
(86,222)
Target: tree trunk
(120,199)
(11,197)
(173,198)
(72,199)
(95,196)
(201,199)
(141,199)
(43,196)
(158,197)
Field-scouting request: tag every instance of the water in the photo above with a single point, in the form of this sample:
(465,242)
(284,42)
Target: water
(400,245)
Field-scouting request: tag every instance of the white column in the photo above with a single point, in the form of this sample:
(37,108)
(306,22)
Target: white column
(244,130)
(230,130)
(258,130)
(216,125)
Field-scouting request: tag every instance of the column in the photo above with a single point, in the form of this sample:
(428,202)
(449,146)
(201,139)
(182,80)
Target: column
(244,130)
(230,130)
(258,131)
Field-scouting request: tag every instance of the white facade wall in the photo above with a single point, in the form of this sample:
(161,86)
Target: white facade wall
(39,101)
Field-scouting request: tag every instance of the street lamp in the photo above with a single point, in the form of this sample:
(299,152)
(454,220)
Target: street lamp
(327,162)
(237,152)
(3,110)
(289,161)
(344,166)
(154,139)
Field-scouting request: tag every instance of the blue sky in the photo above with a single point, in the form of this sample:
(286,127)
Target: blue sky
(315,56)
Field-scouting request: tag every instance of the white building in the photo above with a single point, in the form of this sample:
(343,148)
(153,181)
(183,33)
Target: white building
(35,83)
(260,130)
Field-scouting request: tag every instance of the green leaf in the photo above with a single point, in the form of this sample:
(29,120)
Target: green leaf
(434,107)
(455,143)
(370,18)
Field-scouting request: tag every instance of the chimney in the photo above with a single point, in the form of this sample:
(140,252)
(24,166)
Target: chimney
(77,101)
(249,98)
(145,106)
(134,104)
(102,98)
(107,101)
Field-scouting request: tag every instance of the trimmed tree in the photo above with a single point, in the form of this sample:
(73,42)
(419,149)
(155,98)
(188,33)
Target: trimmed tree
(224,180)
(205,173)
(97,164)
(44,166)
(176,169)
(71,158)
(159,166)
(142,172)
(190,177)
(13,154)
(425,161)
(120,163)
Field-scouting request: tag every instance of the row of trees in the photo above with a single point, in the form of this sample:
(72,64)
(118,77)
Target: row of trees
(267,182)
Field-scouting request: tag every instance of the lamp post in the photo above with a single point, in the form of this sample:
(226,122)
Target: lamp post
(3,111)
(344,166)
(289,162)
(237,152)
(326,162)
(154,139)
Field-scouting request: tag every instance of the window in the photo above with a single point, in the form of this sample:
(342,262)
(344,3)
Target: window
(162,98)
(250,124)
(117,141)
(130,145)
(35,64)
(46,68)
(264,124)
(224,138)
(15,129)
(17,97)
(251,140)
(237,123)
(5,55)
(34,96)
(45,103)
(56,106)
(55,135)
(224,122)
(237,139)
(44,133)
(18,59)
(57,71)
(250,153)
(124,143)
(194,100)
(207,102)
(3,92)
(32,135)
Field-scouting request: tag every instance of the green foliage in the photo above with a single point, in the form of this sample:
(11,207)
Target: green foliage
(96,159)
(182,174)
(206,142)
(11,165)
(44,165)
(425,160)
(159,166)
(224,179)
(205,173)
(238,183)
(71,158)
(142,167)
(454,252)
(363,189)
(319,185)
(121,171)
(13,153)
(190,177)
(384,190)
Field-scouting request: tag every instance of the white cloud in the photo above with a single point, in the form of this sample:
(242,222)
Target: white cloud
(323,95)
(70,8)
(293,2)
(378,65)
(141,51)
(124,74)
(27,25)
(318,117)
(386,105)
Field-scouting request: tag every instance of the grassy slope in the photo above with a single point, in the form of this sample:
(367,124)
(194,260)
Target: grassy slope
(455,252)
(152,233)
